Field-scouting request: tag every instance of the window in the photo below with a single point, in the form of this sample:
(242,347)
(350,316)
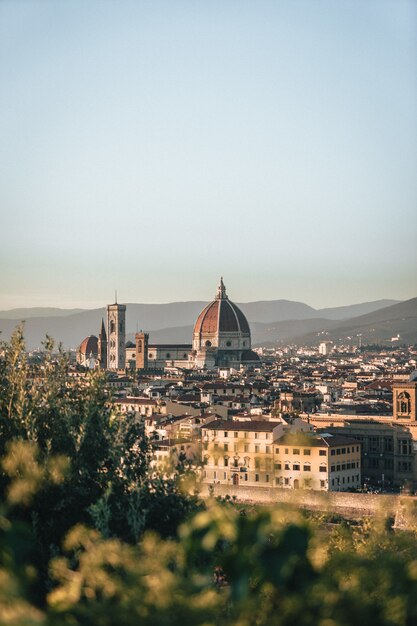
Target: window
(322,452)
(267,464)
(333,452)
(235,434)
(246,447)
(216,461)
(322,484)
(404,446)
(373,444)
(388,444)
(226,447)
(276,450)
(226,434)
(226,461)
(267,478)
(257,478)
(257,464)
(404,466)
(403,403)
(307,452)
(343,451)
(246,477)
(287,481)
(286,450)
(306,468)
(307,482)
(268,449)
(323,468)
(277,466)
(287,466)
(256,436)
(256,448)
(296,467)
(296,451)
(224,475)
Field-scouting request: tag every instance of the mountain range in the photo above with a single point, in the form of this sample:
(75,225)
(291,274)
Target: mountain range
(272,322)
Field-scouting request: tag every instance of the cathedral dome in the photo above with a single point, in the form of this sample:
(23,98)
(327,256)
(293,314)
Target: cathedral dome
(221,324)
(89,346)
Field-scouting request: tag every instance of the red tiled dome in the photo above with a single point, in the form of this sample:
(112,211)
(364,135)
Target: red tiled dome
(221,315)
(89,346)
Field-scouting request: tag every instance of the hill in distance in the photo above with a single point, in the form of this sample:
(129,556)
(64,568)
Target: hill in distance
(275,320)
(377,327)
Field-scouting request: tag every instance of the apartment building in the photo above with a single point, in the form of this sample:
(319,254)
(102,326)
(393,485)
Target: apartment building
(262,453)
(323,462)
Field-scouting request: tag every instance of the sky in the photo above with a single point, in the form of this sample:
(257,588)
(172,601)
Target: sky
(151,147)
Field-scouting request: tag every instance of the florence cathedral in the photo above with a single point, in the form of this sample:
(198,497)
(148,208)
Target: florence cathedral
(221,339)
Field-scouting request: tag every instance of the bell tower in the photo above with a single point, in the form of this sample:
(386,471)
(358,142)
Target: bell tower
(404,401)
(116,336)
(142,351)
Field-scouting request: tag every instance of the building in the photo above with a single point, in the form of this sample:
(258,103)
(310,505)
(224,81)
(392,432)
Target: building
(271,453)
(116,336)
(221,336)
(389,443)
(323,462)
(221,339)
(88,352)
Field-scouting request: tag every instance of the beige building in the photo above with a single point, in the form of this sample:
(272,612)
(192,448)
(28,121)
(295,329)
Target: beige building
(323,462)
(267,453)
(389,444)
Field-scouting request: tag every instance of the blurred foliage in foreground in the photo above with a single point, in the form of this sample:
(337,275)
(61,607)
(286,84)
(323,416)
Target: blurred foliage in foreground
(226,567)
(88,535)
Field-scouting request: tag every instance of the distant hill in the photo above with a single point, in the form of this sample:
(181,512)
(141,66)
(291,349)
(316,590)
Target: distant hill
(275,320)
(376,327)
(18,314)
(355,310)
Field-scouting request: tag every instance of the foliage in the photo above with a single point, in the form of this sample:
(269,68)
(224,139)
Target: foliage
(228,567)
(107,481)
(224,566)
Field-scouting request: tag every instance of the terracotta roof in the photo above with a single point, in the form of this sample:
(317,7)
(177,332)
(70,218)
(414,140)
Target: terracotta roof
(258,426)
(89,346)
(221,315)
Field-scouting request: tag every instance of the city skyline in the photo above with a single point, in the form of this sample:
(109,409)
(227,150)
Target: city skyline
(156,146)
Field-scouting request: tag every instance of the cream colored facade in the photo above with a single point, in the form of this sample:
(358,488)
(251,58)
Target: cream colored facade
(321,462)
(263,454)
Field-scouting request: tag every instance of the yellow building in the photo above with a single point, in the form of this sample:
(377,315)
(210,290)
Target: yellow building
(239,452)
(317,461)
(262,454)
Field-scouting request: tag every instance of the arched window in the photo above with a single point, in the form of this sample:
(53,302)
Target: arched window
(112,326)
(404,403)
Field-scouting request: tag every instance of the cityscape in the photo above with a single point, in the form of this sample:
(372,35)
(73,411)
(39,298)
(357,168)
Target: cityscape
(208,313)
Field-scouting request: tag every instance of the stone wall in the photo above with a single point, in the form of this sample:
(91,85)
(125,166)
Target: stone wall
(349,505)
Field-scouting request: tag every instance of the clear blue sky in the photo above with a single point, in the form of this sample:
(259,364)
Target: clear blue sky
(152,146)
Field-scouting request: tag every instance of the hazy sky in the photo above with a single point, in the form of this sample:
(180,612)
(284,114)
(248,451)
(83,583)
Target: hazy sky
(152,146)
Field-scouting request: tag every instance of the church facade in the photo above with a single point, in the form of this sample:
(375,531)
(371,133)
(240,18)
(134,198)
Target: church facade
(221,339)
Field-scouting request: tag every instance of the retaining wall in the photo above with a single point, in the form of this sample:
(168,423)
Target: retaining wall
(349,505)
